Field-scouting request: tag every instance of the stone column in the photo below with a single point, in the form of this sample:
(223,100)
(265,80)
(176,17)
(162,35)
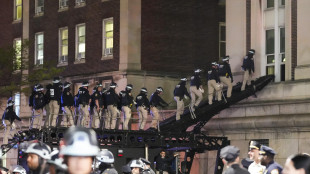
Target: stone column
(302,70)
(130,35)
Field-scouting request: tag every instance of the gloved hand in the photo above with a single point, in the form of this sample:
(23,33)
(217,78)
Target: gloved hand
(232,80)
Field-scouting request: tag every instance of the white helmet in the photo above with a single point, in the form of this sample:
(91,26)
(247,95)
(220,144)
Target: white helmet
(80,142)
(105,156)
(184,79)
(19,169)
(136,163)
(39,149)
(56,161)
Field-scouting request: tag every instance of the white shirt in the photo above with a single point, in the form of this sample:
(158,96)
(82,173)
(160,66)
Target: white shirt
(255,168)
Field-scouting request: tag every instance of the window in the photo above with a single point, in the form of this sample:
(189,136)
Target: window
(222,39)
(17,62)
(18,10)
(270,3)
(17,103)
(39,49)
(63,45)
(39,7)
(63,4)
(282,53)
(270,51)
(108,37)
(80,41)
(282,2)
(79,2)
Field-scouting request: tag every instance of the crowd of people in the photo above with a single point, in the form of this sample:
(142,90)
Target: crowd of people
(79,153)
(261,161)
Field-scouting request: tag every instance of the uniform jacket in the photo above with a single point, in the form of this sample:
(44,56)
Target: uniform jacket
(10,115)
(38,100)
(126,99)
(163,164)
(214,75)
(180,90)
(67,98)
(55,92)
(248,63)
(156,100)
(273,166)
(112,98)
(142,100)
(31,99)
(195,80)
(225,70)
(83,96)
(236,169)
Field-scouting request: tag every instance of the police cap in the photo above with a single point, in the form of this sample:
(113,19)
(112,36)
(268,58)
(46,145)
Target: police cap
(229,153)
(254,145)
(265,150)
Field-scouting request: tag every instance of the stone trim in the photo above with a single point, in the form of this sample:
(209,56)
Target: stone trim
(293,38)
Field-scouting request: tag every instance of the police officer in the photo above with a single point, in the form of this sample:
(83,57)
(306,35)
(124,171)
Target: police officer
(8,118)
(248,68)
(55,96)
(38,154)
(180,92)
(106,162)
(127,102)
(18,170)
(98,106)
(56,165)
(255,167)
(214,83)
(105,109)
(38,105)
(112,100)
(84,101)
(67,102)
(136,166)
(143,106)
(81,147)
(4,170)
(226,75)
(230,157)
(46,107)
(32,95)
(156,101)
(146,166)
(196,89)
(267,159)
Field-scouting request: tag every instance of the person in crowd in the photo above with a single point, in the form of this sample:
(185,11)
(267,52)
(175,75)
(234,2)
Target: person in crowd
(112,100)
(38,105)
(105,158)
(80,149)
(143,106)
(155,102)
(226,75)
(180,92)
(38,154)
(255,167)
(248,68)
(136,166)
(8,118)
(83,103)
(267,159)
(55,99)
(297,164)
(17,169)
(214,83)
(127,101)
(196,89)
(230,157)
(67,102)
(163,163)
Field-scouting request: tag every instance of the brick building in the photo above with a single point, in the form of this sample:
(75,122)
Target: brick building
(154,42)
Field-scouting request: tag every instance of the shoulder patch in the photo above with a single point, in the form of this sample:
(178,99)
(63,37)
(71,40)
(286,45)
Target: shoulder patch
(209,72)
(177,86)
(274,171)
(192,78)
(139,97)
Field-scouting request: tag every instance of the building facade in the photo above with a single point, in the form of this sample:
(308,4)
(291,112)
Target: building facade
(154,43)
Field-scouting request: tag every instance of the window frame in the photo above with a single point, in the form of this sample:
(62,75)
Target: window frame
(60,45)
(79,3)
(61,7)
(37,12)
(36,49)
(222,24)
(77,42)
(104,38)
(15,10)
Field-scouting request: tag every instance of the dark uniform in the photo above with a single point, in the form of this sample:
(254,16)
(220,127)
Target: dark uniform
(179,93)
(156,101)
(230,154)
(8,118)
(55,97)
(163,164)
(143,105)
(214,83)
(83,101)
(226,75)
(97,110)
(38,105)
(127,102)
(272,167)
(47,107)
(196,89)
(248,67)
(67,102)
(112,100)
